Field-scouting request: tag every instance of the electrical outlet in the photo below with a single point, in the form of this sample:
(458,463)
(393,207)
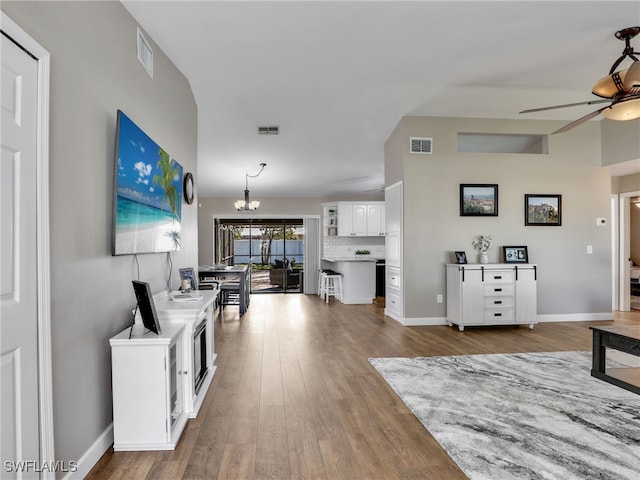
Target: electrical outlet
(439,298)
(589,249)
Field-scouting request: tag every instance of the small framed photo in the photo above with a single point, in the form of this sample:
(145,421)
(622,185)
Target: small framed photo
(543,209)
(478,200)
(189,274)
(515,254)
(460,257)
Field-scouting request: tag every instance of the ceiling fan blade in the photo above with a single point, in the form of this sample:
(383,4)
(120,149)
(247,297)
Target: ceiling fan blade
(577,122)
(542,109)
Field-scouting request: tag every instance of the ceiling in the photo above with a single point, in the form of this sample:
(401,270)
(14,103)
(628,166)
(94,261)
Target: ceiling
(336,77)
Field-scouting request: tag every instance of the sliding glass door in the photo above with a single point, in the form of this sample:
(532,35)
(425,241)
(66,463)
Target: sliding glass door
(274,248)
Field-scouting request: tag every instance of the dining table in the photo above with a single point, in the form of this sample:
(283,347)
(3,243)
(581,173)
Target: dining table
(239,273)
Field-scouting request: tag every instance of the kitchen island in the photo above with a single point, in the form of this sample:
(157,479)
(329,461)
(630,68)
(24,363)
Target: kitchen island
(358,277)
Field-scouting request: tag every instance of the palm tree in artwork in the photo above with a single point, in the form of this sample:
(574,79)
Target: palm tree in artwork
(170,172)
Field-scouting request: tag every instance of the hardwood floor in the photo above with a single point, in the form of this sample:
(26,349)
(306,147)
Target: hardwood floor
(294,396)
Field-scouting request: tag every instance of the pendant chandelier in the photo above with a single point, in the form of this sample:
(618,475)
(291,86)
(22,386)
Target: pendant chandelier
(247,204)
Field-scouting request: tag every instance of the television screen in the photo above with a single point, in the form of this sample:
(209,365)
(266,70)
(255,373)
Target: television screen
(146,306)
(148,193)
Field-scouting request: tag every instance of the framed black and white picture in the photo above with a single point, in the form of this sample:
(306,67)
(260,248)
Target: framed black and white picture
(478,200)
(460,257)
(515,254)
(542,209)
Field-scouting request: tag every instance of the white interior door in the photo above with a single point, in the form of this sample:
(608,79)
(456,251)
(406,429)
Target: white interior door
(19,412)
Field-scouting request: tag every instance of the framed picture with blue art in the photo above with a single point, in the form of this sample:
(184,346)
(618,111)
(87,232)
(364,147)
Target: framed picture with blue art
(147,208)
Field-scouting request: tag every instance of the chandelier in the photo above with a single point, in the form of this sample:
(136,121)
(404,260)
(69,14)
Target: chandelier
(247,204)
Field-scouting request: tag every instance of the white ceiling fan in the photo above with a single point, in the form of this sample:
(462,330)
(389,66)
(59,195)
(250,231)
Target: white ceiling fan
(621,89)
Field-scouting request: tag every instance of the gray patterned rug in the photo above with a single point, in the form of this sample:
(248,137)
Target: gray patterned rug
(522,416)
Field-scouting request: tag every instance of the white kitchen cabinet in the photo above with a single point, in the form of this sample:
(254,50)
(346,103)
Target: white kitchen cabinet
(394,303)
(375,219)
(352,219)
(394,276)
(491,294)
(147,371)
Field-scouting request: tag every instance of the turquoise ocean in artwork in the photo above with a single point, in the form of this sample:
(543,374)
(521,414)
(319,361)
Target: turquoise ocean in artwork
(132,214)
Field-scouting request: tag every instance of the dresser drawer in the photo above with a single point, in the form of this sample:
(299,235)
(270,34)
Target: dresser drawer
(498,290)
(492,315)
(498,302)
(499,276)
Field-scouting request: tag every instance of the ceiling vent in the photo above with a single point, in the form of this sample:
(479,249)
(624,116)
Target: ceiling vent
(268,130)
(145,54)
(421,145)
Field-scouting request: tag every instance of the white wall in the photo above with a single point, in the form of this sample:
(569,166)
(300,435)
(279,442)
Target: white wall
(570,281)
(94,72)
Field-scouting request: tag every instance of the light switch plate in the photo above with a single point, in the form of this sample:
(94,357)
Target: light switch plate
(601,221)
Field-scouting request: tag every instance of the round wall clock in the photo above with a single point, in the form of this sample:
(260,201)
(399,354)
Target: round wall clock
(188,188)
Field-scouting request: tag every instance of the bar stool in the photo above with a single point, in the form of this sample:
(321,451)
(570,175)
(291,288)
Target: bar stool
(330,285)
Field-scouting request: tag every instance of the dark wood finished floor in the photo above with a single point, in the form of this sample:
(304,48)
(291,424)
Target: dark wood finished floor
(294,396)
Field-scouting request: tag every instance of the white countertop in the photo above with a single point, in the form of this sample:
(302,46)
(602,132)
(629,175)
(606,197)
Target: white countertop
(357,258)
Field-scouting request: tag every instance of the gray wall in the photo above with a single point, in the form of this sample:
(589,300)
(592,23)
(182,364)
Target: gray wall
(620,141)
(570,281)
(94,72)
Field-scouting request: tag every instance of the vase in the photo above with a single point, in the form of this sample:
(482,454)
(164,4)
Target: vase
(484,257)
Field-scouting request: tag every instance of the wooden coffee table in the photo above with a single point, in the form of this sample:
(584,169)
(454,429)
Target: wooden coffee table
(624,339)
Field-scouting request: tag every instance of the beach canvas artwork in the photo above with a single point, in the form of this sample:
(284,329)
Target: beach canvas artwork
(148,193)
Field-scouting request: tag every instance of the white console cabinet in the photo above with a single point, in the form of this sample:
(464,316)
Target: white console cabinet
(160,381)
(147,371)
(492,294)
(199,349)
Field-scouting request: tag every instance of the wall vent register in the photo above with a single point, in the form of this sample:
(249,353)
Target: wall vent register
(421,145)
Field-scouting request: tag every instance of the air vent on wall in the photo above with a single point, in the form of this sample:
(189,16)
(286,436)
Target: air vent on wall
(421,145)
(268,130)
(145,54)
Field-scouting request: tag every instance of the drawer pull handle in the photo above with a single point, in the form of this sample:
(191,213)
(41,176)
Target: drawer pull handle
(497,277)
(498,302)
(497,289)
(497,314)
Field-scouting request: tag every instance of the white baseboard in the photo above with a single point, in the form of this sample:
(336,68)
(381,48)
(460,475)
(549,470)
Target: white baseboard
(565,317)
(575,317)
(417,322)
(424,321)
(92,455)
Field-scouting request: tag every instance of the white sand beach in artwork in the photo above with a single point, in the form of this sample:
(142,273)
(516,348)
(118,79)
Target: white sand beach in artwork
(160,237)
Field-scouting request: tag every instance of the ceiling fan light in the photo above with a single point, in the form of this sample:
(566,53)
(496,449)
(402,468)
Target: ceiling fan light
(632,78)
(623,111)
(610,85)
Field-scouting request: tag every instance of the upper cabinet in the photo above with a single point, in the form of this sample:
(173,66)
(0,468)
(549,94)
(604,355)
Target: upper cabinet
(354,219)
(375,219)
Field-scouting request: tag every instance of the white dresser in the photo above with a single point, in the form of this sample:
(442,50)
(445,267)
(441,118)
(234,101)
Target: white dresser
(491,294)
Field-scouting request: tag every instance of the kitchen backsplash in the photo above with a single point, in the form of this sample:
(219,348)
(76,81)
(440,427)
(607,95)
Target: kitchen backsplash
(347,246)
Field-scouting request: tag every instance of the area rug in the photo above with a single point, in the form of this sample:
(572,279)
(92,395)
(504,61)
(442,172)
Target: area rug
(522,416)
